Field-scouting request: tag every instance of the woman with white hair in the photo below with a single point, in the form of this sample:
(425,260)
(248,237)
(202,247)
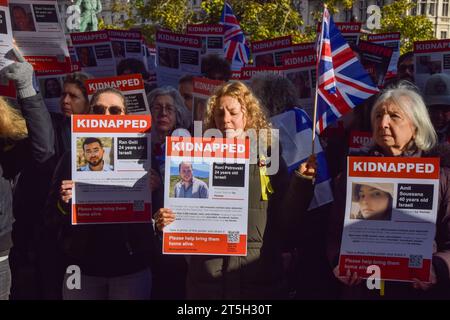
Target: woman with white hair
(168,114)
(401,128)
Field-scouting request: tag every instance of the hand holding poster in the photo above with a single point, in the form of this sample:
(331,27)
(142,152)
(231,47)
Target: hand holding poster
(110,164)
(206,186)
(132,87)
(390,217)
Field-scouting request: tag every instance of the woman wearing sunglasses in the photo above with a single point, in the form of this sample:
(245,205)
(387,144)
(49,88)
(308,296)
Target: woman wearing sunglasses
(108,101)
(114,259)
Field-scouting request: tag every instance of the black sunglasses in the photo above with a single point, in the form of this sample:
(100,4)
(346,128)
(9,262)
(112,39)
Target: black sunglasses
(114,110)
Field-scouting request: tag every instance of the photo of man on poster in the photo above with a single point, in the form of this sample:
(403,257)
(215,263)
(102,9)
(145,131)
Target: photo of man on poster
(93,152)
(189,186)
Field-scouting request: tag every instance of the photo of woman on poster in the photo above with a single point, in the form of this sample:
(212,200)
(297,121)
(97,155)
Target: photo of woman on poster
(372,201)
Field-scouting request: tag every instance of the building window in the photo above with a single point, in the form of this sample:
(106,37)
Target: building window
(431,8)
(414,9)
(445,8)
(443,34)
(362,10)
(348,14)
(423,7)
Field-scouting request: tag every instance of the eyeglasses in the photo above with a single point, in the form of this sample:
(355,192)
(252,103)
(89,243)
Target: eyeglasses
(404,67)
(114,110)
(158,108)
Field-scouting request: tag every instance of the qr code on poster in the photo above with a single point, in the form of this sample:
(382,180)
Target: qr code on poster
(415,261)
(138,205)
(233,237)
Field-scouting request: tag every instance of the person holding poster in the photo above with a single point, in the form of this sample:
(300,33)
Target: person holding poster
(232,110)
(401,128)
(115,259)
(168,114)
(26,144)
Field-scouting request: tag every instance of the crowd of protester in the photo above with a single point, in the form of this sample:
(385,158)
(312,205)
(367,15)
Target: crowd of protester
(292,251)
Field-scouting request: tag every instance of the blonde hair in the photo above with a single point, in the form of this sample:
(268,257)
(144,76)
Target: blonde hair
(12,124)
(255,114)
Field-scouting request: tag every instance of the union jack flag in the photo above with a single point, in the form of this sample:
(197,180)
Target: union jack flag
(236,49)
(343,83)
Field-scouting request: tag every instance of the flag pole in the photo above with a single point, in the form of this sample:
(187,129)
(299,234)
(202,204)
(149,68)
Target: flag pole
(317,85)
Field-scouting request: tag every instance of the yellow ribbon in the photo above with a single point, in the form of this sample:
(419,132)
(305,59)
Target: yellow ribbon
(266,186)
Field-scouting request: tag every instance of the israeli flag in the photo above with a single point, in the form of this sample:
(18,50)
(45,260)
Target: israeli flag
(295,138)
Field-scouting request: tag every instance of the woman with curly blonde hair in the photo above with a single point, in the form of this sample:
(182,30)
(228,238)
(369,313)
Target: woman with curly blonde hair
(236,97)
(233,110)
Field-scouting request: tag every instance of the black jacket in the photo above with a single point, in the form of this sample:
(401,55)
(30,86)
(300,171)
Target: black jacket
(106,250)
(33,153)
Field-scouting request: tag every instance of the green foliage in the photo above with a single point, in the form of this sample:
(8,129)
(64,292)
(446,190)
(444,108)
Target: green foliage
(265,19)
(412,28)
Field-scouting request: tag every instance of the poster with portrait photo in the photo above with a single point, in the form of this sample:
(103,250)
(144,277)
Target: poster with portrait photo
(94,53)
(268,53)
(299,68)
(207,189)
(132,87)
(38,33)
(6,38)
(430,57)
(375,58)
(202,89)
(390,217)
(51,87)
(110,165)
(391,40)
(212,36)
(127,46)
(177,55)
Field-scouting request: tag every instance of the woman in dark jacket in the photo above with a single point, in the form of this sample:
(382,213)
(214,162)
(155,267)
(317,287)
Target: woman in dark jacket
(401,128)
(115,260)
(233,109)
(26,140)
